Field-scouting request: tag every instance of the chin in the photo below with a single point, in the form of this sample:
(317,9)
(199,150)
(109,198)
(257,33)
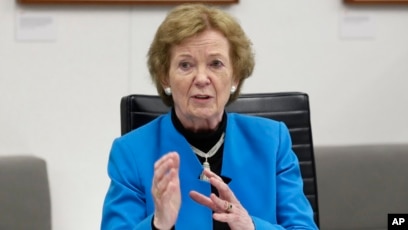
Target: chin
(206,114)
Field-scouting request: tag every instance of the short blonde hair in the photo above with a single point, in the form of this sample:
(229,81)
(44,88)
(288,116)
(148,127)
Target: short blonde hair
(187,20)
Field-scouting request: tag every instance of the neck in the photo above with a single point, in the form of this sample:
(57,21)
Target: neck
(199,125)
(202,140)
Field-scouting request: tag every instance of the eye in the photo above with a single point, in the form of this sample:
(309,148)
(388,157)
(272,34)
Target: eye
(217,64)
(184,65)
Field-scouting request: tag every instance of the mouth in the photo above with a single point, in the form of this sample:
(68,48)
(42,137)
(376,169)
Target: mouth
(201,97)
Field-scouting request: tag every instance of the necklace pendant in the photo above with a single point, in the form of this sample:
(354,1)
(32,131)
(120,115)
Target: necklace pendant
(209,154)
(206,165)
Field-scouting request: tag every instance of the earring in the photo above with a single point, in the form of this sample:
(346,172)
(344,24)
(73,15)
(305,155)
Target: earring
(233,89)
(167,91)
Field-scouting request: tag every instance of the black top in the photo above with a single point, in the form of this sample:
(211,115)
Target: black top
(204,141)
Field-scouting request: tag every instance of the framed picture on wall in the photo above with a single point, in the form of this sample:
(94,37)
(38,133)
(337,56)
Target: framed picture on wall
(139,2)
(376,1)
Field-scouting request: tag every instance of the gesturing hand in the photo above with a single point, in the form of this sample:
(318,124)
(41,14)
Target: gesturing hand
(166,191)
(226,207)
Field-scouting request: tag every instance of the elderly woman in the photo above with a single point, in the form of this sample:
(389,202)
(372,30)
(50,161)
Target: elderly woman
(198,167)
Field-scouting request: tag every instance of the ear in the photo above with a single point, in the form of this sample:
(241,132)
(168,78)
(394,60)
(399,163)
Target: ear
(165,82)
(235,83)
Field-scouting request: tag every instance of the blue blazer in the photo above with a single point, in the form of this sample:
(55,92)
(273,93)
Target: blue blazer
(258,157)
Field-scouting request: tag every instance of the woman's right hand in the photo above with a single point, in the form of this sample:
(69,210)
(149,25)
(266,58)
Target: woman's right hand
(166,191)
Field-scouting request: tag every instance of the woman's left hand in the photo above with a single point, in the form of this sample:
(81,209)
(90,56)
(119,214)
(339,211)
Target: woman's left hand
(226,207)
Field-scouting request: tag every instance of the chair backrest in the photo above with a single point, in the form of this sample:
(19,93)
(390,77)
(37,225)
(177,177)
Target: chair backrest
(25,201)
(292,108)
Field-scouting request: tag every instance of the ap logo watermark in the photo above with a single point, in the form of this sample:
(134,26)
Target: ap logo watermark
(397,221)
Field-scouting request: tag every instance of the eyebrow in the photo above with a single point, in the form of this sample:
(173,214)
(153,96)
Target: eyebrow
(211,55)
(217,55)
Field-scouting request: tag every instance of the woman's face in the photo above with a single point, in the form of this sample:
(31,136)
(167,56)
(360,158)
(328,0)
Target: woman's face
(201,77)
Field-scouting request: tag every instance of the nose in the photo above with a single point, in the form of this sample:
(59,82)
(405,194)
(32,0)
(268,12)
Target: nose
(202,77)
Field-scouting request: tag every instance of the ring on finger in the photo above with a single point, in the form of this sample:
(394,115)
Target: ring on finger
(228,206)
(158,194)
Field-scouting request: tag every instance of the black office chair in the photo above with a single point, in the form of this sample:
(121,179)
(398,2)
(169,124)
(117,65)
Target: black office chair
(290,107)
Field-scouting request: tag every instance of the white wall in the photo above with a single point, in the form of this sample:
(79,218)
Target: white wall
(60,99)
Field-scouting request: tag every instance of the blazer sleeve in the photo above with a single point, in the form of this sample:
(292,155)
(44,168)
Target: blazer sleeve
(293,208)
(124,205)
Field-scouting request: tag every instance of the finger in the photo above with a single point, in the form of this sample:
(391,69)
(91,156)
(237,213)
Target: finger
(162,183)
(166,188)
(221,205)
(165,158)
(164,164)
(161,175)
(176,159)
(209,174)
(166,170)
(224,190)
(168,184)
(222,217)
(203,200)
